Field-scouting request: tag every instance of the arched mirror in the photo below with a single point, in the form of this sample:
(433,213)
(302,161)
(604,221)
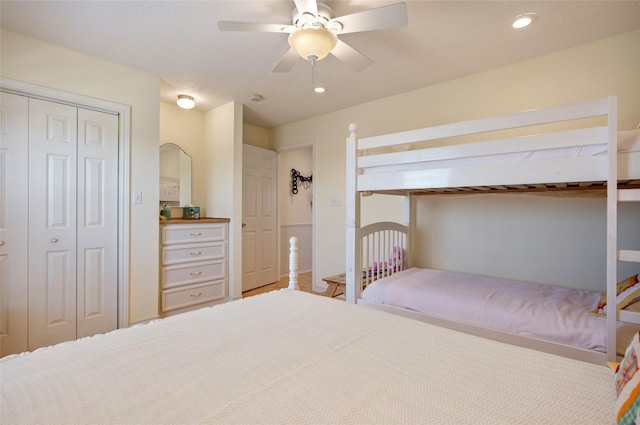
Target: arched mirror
(175,176)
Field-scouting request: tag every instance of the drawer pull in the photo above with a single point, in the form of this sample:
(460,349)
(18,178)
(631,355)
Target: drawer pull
(196,252)
(197,294)
(195,273)
(196,233)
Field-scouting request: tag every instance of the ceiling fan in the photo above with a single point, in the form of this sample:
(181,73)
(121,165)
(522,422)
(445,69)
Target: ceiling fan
(314,30)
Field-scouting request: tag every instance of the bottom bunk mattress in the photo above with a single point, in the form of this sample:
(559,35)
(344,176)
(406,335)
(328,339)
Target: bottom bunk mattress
(552,313)
(288,357)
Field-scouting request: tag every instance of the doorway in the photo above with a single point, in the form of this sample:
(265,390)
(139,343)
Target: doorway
(296,206)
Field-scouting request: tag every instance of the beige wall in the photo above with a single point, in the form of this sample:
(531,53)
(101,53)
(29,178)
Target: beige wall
(32,61)
(524,246)
(255,136)
(223,197)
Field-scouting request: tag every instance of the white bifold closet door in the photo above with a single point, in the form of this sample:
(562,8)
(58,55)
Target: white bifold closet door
(72,224)
(14,210)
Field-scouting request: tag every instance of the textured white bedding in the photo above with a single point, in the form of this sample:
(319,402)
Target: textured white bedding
(628,142)
(292,357)
(543,311)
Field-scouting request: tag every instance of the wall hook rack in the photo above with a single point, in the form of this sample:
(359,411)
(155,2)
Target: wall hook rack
(297,177)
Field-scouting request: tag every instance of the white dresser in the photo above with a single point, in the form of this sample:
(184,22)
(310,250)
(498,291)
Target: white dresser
(194,264)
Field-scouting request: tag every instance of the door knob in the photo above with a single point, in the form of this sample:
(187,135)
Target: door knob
(54,240)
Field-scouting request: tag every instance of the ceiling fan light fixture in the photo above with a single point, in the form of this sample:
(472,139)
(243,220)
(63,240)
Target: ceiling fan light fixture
(313,43)
(186,102)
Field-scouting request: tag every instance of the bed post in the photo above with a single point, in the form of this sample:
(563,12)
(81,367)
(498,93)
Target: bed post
(408,219)
(352,203)
(612,226)
(293,263)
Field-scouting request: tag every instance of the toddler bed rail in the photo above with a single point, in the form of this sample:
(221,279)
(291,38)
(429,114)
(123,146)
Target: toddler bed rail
(383,248)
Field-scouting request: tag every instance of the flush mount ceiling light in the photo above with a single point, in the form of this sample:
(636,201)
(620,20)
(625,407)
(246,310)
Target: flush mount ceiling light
(313,43)
(524,20)
(319,89)
(186,102)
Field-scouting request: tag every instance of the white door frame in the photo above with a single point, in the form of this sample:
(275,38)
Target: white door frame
(309,144)
(124,152)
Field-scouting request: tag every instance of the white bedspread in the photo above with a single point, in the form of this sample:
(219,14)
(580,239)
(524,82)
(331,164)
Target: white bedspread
(543,311)
(292,357)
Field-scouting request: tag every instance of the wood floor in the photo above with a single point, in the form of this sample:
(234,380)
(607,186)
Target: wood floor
(304,282)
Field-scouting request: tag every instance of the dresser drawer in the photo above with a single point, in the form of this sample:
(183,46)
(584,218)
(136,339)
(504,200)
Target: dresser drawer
(184,274)
(186,233)
(182,253)
(173,299)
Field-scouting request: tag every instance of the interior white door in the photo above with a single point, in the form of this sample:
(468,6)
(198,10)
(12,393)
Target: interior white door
(13,224)
(52,222)
(97,221)
(259,243)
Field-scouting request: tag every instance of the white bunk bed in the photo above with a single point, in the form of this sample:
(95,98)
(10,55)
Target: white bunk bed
(523,152)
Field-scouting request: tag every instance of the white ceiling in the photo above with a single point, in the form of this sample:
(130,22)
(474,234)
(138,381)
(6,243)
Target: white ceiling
(179,41)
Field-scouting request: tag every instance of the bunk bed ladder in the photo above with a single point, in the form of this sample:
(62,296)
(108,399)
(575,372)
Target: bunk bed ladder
(628,255)
(614,253)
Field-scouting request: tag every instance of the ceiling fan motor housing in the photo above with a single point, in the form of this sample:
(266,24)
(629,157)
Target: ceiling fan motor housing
(305,19)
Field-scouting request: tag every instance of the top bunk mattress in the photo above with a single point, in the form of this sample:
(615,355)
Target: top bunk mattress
(628,142)
(552,313)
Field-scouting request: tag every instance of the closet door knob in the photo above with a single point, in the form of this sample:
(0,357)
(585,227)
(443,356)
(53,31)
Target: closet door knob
(54,240)
(1,243)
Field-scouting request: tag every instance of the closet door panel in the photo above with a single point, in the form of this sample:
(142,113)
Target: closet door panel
(97,283)
(52,223)
(13,224)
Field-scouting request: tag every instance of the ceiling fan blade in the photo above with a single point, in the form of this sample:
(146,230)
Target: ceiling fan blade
(254,26)
(353,58)
(392,16)
(287,62)
(310,6)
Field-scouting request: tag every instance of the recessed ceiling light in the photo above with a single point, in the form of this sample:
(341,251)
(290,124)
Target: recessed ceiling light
(319,89)
(186,102)
(524,20)
(256,97)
